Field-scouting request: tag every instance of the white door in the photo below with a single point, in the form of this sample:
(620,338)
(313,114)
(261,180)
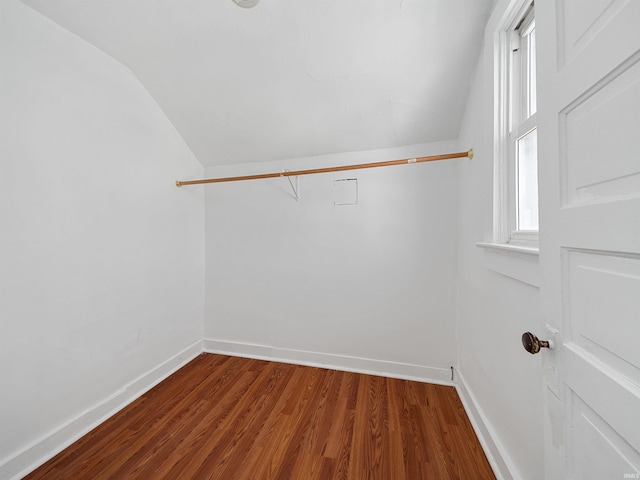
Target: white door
(589,174)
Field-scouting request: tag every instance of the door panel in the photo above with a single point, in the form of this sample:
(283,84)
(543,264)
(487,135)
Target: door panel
(602,125)
(590,42)
(597,285)
(596,451)
(608,393)
(581,21)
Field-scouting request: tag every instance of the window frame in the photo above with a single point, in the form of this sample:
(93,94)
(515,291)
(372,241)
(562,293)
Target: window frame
(511,108)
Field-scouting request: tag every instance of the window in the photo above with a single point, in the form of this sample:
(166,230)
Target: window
(517,156)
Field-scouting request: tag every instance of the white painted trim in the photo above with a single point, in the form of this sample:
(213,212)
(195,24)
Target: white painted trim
(39,451)
(502,465)
(508,247)
(517,262)
(405,371)
(500,30)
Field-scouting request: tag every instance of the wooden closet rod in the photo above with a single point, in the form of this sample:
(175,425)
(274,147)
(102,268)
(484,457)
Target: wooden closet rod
(446,156)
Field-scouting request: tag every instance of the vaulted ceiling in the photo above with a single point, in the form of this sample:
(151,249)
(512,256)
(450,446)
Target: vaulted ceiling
(292,78)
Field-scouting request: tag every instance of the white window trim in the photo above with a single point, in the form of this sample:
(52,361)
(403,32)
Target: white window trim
(517,262)
(504,214)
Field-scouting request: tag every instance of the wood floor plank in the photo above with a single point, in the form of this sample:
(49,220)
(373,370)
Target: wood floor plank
(232,418)
(265,441)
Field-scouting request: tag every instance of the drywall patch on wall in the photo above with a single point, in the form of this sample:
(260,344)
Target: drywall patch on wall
(345,191)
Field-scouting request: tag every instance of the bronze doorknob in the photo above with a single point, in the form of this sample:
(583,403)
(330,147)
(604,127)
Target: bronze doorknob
(533,344)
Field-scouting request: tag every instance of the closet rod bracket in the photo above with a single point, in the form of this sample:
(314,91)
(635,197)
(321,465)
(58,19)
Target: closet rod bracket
(296,189)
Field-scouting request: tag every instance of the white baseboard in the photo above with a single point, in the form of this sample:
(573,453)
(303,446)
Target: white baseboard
(46,447)
(405,371)
(498,457)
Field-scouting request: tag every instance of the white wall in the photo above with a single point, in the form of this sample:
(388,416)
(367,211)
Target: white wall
(366,287)
(498,300)
(101,261)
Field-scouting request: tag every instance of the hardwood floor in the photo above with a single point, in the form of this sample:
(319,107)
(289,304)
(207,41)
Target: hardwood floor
(225,418)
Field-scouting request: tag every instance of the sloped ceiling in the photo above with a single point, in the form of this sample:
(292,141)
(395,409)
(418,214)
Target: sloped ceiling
(292,78)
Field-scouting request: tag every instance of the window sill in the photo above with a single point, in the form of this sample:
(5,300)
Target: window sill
(514,261)
(507,247)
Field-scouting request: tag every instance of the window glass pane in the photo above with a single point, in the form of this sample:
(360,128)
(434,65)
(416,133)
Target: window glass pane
(532,100)
(527,181)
